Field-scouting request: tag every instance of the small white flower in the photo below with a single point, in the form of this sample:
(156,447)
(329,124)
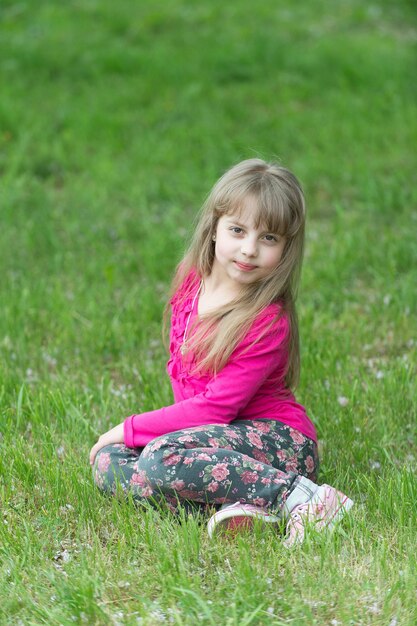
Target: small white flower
(124,584)
(66,556)
(64,509)
(343,401)
(62,555)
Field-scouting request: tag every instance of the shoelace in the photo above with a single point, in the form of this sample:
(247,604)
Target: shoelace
(297,517)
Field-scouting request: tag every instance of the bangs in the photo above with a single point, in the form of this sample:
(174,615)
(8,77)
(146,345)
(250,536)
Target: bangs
(269,206)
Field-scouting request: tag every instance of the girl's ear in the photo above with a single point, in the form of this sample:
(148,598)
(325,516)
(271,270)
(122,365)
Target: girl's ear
(214,228)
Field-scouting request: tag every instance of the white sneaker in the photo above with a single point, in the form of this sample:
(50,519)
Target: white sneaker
(322,511)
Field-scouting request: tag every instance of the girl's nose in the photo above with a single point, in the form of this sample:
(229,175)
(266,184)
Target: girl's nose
(249,247)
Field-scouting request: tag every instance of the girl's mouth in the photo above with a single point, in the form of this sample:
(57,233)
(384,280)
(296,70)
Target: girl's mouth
(245,267)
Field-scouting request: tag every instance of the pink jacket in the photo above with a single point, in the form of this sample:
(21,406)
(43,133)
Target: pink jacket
(250,386)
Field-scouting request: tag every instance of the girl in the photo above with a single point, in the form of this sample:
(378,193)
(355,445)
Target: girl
(235,441)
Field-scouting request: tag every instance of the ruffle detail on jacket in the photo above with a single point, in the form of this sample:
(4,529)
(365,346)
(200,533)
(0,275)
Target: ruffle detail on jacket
(179,366)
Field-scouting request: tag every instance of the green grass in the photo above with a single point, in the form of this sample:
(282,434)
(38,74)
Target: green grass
(115,120)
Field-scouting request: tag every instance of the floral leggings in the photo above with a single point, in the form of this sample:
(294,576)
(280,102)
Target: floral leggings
(252,461)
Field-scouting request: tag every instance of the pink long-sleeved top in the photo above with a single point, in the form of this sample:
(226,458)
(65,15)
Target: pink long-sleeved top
(250,386)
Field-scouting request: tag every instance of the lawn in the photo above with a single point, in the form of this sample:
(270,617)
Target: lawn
(116,118)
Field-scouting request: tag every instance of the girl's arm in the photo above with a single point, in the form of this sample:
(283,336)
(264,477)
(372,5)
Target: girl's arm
(225,395)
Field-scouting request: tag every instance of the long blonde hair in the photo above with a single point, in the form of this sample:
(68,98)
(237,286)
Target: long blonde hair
(281,208)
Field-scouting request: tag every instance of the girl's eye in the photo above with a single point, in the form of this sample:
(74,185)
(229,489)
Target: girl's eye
(271,238)
(236,229)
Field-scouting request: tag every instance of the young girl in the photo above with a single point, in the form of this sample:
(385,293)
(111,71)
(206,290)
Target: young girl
(235,440)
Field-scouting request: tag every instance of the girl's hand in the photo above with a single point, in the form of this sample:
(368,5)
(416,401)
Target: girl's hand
(115,435)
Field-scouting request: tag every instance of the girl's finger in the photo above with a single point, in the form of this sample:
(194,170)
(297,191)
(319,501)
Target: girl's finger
(93,454)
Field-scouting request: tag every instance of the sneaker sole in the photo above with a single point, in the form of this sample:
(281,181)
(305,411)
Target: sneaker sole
(238,518)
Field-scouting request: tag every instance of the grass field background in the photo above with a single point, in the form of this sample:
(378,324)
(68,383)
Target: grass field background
(115,121)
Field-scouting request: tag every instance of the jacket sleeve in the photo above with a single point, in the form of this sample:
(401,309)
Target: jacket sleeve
(225,396)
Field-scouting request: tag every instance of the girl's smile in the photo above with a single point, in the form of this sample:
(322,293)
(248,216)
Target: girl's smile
(245,267)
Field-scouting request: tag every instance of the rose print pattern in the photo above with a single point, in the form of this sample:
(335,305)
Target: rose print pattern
(253,461)
(104,463)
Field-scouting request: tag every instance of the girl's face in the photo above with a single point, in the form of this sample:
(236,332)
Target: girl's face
(245,254)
